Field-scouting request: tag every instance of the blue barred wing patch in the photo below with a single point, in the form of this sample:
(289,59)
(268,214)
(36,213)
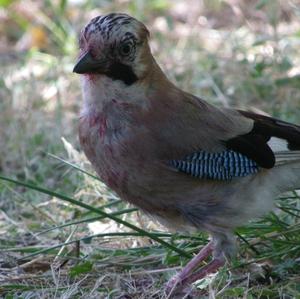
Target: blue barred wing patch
(217,166)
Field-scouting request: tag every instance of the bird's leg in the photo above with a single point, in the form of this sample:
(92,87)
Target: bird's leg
(211,267)
(185,273)
(196,260)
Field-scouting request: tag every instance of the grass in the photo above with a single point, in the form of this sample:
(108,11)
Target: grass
(63,234)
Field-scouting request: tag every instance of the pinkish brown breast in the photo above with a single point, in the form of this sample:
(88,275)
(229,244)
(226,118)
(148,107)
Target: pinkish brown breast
(106,151)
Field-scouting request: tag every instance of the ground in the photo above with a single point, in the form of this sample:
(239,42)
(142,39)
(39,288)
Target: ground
(53,242)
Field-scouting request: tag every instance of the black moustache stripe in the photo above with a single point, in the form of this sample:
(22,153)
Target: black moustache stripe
(120,71)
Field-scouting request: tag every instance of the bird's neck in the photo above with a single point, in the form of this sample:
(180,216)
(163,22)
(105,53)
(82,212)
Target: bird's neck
(100,90)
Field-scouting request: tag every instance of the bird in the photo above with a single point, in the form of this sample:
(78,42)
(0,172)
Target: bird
(183,161)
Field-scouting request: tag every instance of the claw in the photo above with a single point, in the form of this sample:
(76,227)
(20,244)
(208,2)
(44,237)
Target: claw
(187,276)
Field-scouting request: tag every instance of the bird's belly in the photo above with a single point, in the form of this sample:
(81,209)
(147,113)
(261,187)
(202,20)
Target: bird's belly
(166,194)
(105,155)
(139,180)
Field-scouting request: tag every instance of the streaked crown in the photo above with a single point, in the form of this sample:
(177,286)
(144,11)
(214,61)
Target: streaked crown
(114,45)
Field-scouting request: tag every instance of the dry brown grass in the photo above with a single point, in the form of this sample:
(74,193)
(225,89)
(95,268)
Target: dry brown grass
(242,53)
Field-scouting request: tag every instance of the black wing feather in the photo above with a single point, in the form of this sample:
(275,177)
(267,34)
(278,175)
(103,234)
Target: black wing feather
(255,146)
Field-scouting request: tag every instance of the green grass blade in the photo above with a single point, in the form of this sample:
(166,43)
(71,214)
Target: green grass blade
(88,238)
(98,211)
(75,166)
(125,211)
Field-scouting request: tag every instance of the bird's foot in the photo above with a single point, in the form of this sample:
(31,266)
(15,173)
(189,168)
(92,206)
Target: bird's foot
(179,291)
(174,283)
(186,276)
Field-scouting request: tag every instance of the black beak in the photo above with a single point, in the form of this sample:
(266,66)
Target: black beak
(86,64)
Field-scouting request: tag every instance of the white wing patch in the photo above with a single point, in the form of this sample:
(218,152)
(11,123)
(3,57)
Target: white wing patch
(281,151)
(278,144)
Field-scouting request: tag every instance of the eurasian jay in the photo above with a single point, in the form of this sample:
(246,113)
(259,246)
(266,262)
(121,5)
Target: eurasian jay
(179,159)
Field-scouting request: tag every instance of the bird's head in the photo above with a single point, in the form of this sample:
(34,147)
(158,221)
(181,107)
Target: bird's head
(114,45)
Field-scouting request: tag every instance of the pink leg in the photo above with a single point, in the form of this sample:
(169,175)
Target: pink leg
(196,260)
(185,273)
(211,267)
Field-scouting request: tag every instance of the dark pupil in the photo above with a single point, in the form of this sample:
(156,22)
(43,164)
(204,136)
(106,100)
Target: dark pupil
(126,49)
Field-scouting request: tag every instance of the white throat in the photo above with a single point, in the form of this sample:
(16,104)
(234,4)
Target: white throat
(98,91)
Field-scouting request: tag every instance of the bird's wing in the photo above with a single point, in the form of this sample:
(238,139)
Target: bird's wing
(282,138)
(267,142)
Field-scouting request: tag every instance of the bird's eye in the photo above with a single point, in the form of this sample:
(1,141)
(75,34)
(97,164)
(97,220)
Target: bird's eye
(126,49)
